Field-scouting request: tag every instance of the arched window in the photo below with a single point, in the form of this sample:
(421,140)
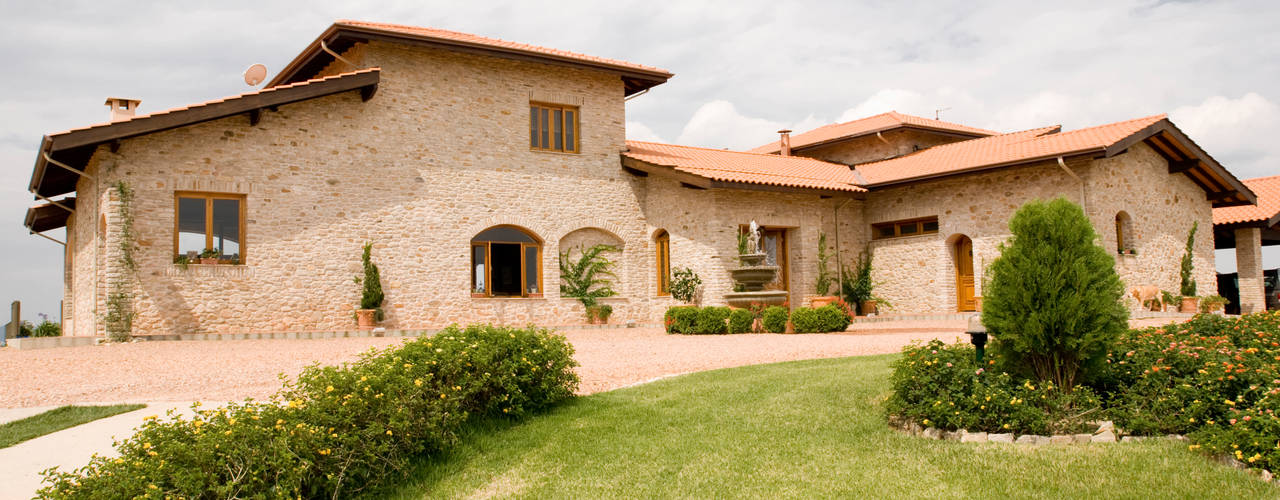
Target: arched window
(1124,233)
(506,261)
(662,250)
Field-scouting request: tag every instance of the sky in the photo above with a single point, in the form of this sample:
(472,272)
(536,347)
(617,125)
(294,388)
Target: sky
(743,70)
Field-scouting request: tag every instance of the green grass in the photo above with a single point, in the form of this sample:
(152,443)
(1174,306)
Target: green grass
(55,420)
(811,429)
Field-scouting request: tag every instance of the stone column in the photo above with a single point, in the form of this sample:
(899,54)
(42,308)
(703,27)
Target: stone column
(1249,269)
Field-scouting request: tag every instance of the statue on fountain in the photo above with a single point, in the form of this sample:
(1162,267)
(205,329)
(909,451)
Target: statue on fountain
(752,274)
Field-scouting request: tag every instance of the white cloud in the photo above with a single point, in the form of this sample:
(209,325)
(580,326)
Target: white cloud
(1237,132)
(637,131)
(718,124)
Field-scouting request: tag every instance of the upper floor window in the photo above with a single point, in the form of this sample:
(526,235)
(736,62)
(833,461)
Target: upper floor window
(897,229)
(209,225)
(553,127)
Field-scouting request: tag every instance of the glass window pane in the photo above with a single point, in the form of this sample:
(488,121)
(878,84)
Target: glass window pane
(546,139)
(557,128)
(908,228)
(569,129)
(531,270)
(226,228)
(477,269)
(533,126)
(931,226)
(190,225)
(505,234)
(885,231)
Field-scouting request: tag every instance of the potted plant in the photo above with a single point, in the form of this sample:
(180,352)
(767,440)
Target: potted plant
(822,285)
(370,311)
(1189,302)
(599,314)
(1213,304)
(1167,300)
(856,285)
(209,256)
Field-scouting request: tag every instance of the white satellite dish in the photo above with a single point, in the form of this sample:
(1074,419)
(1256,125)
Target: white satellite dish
(255,75)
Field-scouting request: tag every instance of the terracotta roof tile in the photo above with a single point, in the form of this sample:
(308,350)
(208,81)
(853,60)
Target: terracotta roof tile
(1268,191)
(1017,147)
(870,125)
(749,168)
(215,101)
(467,38)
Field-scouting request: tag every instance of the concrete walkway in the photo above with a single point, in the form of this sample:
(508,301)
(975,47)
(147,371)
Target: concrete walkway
(68,449)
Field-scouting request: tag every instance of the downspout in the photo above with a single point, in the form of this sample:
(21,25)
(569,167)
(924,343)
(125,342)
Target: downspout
(882,139)
(1084,200)
(835,215)
(335,55)
(635,95)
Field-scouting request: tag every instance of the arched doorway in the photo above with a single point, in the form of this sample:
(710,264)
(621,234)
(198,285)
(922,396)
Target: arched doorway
(963,251)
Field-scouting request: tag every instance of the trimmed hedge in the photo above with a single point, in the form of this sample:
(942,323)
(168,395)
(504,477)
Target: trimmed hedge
(740,321)
(712,321)
(681,319)
(828,318)
(774,319)
(337,430)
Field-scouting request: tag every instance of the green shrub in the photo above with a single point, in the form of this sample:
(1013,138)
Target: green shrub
(47,328)
(681,319)
(774,319)
(940,385)
(856,285)
(832,318)
(371,295)
(588,278)
(337,430)
(740,321)
(1188,283)
(1053,322)
(806,320)
(712,321)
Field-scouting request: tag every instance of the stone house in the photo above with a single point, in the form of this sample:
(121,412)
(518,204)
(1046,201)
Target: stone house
(472,164)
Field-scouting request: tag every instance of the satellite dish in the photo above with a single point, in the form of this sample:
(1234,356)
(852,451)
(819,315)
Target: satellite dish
(255,75)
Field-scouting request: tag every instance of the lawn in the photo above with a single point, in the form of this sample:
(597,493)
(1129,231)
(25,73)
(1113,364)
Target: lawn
(55,420)
(809,429)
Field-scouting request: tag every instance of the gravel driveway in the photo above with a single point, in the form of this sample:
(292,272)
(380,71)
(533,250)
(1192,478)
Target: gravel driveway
(236,369)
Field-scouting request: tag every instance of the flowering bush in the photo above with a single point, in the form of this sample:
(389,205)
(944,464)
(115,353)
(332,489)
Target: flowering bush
(337,430)
(941,385)
(774,319)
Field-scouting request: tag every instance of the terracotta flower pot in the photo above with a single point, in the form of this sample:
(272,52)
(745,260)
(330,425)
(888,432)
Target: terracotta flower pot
(868,307)
(208,261)
(824,300)
(365,318)
(1189,305)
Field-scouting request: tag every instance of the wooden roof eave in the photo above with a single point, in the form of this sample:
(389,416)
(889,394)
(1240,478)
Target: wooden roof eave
(340,37)
(1235,192)
(366,82)
(48,216)
(706,183)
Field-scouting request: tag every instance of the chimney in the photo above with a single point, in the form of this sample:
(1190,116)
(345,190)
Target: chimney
(785,143)
(121,108)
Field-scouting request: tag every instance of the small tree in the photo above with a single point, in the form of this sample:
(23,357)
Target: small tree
(823,283)
(371,297)
(1188,282)
(684,284)
(1054,304)
(586,278)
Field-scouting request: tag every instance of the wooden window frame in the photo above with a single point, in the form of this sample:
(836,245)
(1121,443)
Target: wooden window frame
(534,129)
(488,266)
(897,226)
(208,220)
(662,252)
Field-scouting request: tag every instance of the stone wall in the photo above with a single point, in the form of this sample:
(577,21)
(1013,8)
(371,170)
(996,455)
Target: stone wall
(917,274)
(870,148)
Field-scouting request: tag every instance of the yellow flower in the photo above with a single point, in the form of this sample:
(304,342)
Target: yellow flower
(146,446)
(417,382)
(1005,426)
(228,433)
(152,453)
(328,389)
(442,396)
(388,432)
(1192,420)
(197,423)
(1193,447)
(231,421)
(324,451)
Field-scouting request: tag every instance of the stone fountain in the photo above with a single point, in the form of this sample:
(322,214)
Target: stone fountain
(753,274)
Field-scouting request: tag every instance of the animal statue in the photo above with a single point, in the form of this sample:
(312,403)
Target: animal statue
(1148,293)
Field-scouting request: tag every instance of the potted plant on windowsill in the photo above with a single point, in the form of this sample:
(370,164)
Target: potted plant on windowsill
(209,256)
(822,284)
(371,296)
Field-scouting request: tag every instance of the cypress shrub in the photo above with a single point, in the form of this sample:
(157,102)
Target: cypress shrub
(371,297)
(774,319)
(740,321)
(1054,300)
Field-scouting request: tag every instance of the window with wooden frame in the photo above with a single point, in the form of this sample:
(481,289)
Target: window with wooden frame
(662,250)
(553,127)
(898,229)
(206,222)
(506,261)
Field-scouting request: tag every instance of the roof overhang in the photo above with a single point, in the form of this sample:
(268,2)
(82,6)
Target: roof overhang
(74,148)
(1224,235)
(339,37)
(643,168)
(48,216)
(1185,157)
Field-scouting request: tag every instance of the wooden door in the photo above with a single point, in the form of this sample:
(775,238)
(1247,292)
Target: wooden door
(964,274)
(774,243)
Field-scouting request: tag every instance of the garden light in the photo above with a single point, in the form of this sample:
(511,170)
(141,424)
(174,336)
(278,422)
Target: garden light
(978,335)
